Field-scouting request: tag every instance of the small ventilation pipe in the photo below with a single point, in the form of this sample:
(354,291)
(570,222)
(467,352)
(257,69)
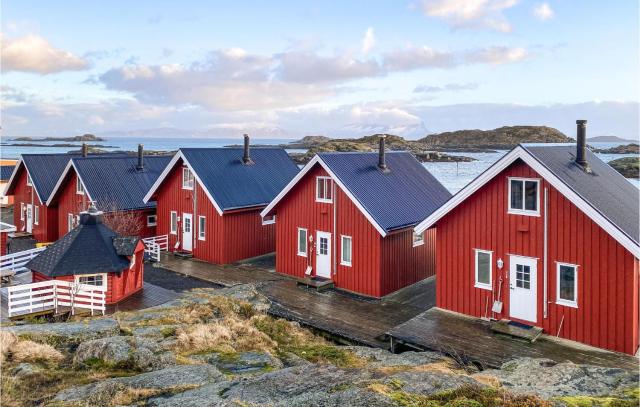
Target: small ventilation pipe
(581,146)
(85,149)
(246,158)
(382,163)
(140,165)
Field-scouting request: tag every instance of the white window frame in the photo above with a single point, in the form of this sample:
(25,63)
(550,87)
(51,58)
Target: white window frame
(477,283)
(79,187)
(343,262)
(202,227)
(525,212)
(561,301)
(133,261)
(29,180)
(150,222)
(70,221)
(103,275)
(325,180)
(36,215)
(190,181)
(419,241)
(172,230)
(22,210)
(306,242)
(269,220)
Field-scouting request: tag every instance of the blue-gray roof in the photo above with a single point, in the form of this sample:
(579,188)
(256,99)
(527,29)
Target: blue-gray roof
(45,170)
(235,185)
(606,190)
(400,198)
(115,181)
(5,172)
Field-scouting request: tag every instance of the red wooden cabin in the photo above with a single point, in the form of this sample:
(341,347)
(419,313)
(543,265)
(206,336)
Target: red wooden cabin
(93,254)
(115,184)
(209,201)
(553,233)
(5,229)
(349,218)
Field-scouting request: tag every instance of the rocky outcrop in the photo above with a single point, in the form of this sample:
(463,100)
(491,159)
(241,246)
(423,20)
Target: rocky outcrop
(621,149)
(67,333)
(629,167)
(137,353)
(503,138)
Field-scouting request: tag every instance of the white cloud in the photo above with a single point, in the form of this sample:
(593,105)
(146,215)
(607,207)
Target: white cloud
(449,87)
(543,11)
(485,14)
(496,55)
(369,41)
(307,67)
(412,57)
(35,54)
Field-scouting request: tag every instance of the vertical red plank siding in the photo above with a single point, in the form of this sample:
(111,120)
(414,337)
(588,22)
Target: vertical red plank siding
(228,238)
(607,313)
(47,228)
(3,243)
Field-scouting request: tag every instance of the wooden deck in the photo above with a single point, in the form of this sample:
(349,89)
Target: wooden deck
(471,339)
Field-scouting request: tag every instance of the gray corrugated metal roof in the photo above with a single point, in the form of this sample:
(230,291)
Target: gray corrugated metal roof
(606,190)
(403,197)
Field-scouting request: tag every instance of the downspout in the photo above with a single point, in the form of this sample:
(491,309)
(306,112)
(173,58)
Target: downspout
(335,234)
(544,256)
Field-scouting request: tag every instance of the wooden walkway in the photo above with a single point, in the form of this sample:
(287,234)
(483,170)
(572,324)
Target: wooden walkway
(471,339)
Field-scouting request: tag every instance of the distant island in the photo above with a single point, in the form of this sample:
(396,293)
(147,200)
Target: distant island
(60,145)
(629,167)
(84,137)
(622,149)
(609,139)
(503,138)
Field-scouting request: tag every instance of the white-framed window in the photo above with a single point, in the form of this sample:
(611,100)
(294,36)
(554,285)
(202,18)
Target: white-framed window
(98,280)
(202,227)
(70,221)
(173,222)
(187,178)
(418,239)
(36,215)
(22,210)
(269,220)
(302,242)
(346,250)
(29,180)
(324,189)
(483,268)
(567,285)
(133,261)
(524,196)
(79,187)
(152,220)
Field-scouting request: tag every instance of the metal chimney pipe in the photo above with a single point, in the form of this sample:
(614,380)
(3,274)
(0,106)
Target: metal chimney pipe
(581,147)
(140,166)
(246,158)
(85,150)
(382,163)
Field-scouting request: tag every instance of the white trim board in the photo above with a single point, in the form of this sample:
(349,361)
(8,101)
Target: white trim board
(524,155)
(62,177)
(13,175)
(317,160)
(180,156)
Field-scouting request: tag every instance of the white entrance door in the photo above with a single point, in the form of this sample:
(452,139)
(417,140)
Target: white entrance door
(187,231)
(323,254)
(523,276)
(29,218)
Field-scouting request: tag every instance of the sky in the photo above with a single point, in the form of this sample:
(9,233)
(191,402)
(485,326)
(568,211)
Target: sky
(295,68)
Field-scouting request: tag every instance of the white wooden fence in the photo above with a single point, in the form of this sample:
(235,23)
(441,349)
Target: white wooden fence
(154,245)
(50,295)
(11,264)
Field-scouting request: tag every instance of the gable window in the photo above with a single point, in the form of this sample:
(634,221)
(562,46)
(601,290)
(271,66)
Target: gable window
(36,215)
(418,239)
(133,261)
(202,227)
(97,280)
(187,178)
(173,222)
(524,196)
(324,189)
(345,255)
(567,284)
(29,181)
(483,269)
(22,210)
(302,242)
(79,187)
(152,220)
(269,220)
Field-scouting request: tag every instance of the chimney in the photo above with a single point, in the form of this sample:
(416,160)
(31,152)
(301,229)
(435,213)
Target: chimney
(382,164)
(581,147)
(246,158)
(85,149)
(91,216)
(140,165)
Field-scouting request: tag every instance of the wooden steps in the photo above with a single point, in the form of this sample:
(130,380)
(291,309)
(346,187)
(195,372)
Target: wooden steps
(183,255)
(318,283)
(515,329)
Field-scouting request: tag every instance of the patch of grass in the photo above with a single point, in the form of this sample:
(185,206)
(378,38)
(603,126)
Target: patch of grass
(586,401)
(131,396)
(168,331)
(30,319)
(17,350)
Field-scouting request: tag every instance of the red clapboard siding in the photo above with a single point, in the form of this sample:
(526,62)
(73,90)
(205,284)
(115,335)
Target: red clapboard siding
(379,265)
(3,243)
(228,238)
(47,228)
(607,313)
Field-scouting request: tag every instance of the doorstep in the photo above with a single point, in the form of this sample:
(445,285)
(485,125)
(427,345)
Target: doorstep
(516,329)
(320,284)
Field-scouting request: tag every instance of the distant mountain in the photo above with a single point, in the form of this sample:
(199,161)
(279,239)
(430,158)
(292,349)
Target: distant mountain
(210,132)
(609,139)
(502,138)
(84,137)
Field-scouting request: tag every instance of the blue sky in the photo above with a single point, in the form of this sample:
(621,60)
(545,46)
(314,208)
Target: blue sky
(296,68)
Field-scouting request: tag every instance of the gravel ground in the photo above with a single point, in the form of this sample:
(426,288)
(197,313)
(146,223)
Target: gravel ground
(174,281)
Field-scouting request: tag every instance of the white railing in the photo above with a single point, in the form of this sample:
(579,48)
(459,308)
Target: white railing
(11,264)
(50,295)
(153,246)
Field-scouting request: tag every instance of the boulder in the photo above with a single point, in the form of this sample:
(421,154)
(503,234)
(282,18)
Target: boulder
(427,383)
(246,293)
(382,358)
(67,333)
(246,362)
(130,351)
(24,369)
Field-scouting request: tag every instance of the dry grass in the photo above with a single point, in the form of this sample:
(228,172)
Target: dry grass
(130,396)
(7,341)
(18,350)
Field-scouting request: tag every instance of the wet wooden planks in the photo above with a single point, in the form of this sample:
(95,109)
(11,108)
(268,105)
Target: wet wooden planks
(471,338)
(150,296)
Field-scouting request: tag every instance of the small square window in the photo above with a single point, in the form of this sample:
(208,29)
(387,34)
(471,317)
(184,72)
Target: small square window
(202,227)
(324,187)
(483,269)
(187,178)
(418,239)
(345,255)
(152,220)
(269,220)
(302,242)
(524,196)
(567,285)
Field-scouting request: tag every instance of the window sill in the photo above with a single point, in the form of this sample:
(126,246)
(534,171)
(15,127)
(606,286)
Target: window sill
(151,224)
(187,188)
(268,223)
(416,244)
(324,200)
(523,213)
(567,304)
(302,254)
(202,239)
(345,264)
(173,233)
(483,286)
